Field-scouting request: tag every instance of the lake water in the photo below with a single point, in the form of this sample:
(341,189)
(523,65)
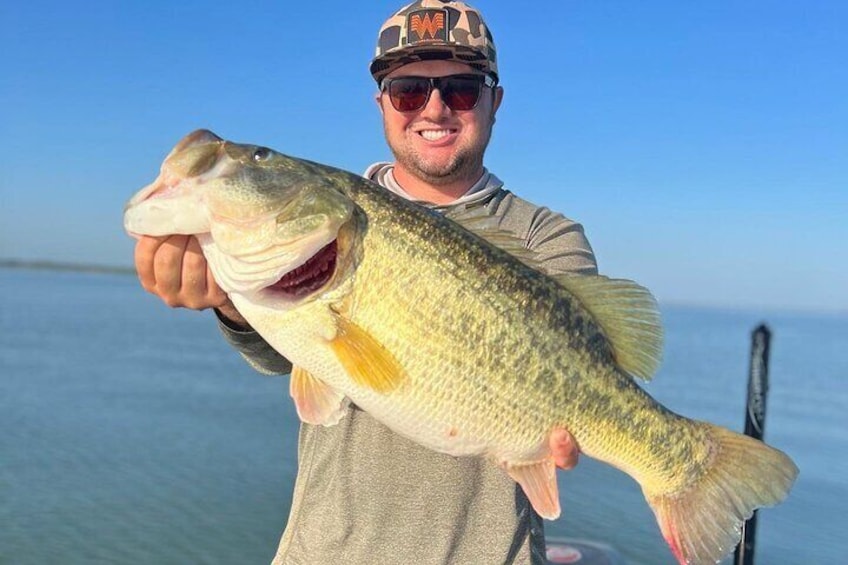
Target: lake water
(131,434)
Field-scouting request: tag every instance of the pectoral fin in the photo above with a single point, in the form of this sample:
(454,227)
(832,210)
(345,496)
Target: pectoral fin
(316,402)
(365,360)
(538,480)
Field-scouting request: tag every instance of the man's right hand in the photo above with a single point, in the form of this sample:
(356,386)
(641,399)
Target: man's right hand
(174,269)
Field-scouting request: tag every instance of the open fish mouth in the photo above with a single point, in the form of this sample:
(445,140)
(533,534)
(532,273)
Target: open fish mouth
(310,276)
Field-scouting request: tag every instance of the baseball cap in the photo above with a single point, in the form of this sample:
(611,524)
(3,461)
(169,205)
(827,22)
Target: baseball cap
(435,29)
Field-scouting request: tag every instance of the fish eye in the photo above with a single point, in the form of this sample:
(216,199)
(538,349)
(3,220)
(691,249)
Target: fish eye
(262,154)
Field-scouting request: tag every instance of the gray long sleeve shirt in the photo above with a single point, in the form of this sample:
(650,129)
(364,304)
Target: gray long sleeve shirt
(364,495)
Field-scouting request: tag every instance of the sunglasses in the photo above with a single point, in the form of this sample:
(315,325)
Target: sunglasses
(459,92)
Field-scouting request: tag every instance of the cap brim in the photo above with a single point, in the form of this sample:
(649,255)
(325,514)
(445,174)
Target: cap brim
(394,59)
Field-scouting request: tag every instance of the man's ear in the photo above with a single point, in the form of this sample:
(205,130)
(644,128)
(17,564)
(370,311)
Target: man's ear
(498,98)
(378,99)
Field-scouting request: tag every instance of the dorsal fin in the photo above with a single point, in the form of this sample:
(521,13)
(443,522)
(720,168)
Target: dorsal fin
(626,312)
(628,315)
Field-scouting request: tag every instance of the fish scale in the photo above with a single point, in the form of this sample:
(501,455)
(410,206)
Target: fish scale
(453,342)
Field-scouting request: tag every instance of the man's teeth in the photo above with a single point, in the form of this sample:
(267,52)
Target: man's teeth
(433,135)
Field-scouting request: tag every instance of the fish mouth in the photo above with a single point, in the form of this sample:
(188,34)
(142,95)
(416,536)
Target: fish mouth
(311,276)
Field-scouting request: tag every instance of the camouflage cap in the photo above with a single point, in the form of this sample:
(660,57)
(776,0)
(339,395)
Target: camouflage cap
(435,29)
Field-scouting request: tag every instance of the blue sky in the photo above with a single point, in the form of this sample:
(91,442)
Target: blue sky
(703,145)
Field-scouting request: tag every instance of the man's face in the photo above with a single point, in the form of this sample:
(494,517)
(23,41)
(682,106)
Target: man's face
(436,144)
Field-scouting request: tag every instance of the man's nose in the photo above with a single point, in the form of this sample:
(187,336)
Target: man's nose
(435,107)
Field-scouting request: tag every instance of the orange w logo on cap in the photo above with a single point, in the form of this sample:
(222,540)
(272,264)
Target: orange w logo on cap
(428,25)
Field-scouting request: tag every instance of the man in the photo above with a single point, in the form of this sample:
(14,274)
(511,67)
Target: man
(364,494)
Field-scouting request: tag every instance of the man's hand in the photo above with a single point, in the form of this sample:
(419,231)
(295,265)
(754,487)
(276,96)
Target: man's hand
(174,269)
(564,449)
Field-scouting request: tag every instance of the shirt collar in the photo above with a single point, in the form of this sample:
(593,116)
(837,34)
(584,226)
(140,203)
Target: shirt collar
(383,174)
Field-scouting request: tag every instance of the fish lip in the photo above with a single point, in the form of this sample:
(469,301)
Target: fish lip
(153,190)
(169,182)
(312,276)
(197,137)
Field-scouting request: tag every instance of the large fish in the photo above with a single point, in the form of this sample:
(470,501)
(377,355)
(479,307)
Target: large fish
(451,340)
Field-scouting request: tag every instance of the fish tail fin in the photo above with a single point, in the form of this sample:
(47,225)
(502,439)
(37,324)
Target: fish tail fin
(704,522)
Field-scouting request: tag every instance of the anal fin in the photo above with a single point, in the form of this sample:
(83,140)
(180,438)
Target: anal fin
(316,401)
(538,480)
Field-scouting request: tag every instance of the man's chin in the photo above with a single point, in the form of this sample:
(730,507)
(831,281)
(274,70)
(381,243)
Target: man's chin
(439,174)
(439,167)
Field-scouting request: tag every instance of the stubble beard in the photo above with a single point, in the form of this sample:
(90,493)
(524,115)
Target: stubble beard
(464,164)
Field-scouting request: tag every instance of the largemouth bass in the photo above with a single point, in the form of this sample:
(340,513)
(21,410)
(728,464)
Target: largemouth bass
(449,335)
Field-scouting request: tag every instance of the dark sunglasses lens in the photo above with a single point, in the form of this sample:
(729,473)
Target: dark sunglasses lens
(460,93)
(408,94)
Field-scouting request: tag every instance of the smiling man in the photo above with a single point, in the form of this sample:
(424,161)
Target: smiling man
(363,494)
(438,117)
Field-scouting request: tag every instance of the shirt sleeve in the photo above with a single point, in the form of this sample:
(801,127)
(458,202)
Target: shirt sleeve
(559,244)
(255,350)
